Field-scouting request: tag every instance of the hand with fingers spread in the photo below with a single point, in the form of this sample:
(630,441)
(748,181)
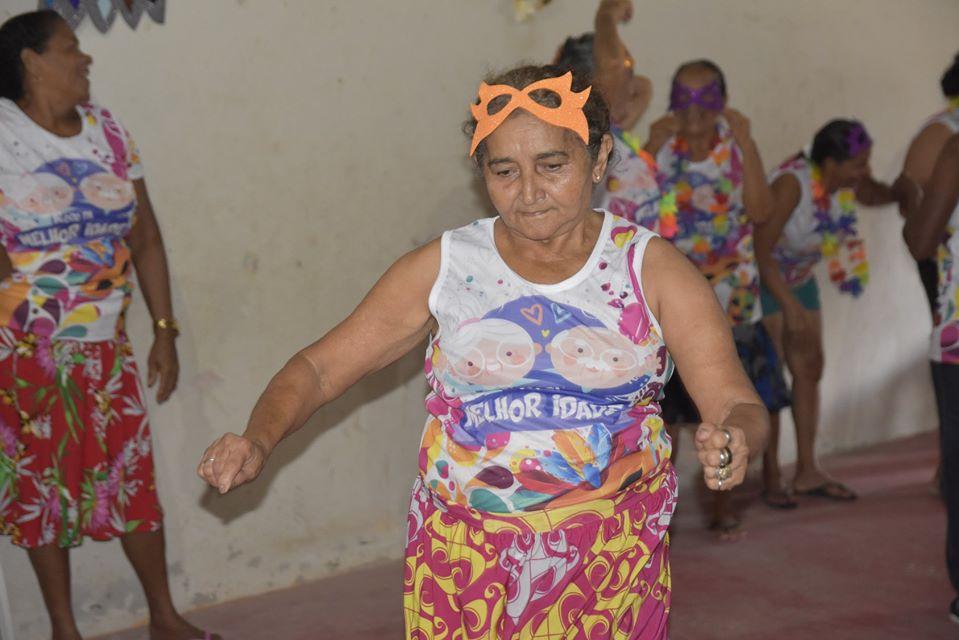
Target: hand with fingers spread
(724,454)
(232,460)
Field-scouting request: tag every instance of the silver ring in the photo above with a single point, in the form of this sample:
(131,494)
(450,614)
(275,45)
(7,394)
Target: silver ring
(722,473)
(729,436)
(210,459)
(725,457)
(720,483)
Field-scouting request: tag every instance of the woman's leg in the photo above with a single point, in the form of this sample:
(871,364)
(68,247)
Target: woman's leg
(805,362)
(147,553)
(772,477)
(52,566)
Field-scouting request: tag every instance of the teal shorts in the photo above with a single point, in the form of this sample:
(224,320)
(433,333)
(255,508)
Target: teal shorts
(807,293)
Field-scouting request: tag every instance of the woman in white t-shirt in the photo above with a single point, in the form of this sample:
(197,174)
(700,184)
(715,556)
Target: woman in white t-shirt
(75,221)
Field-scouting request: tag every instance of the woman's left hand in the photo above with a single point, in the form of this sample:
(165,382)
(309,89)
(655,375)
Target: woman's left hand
(738,126)
(163,365)
(710,440)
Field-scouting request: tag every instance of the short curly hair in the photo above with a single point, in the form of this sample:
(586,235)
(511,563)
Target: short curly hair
(595,109)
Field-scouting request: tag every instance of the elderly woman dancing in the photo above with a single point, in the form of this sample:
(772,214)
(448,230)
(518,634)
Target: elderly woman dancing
(545,489)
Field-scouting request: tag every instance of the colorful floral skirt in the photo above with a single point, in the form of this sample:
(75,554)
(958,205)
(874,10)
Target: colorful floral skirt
(593,570)
(75,452)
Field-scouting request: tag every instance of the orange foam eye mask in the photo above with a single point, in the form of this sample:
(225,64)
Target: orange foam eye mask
(569,114)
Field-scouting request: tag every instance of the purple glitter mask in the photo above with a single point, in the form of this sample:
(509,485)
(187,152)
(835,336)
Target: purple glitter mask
(709,97)
(857,140)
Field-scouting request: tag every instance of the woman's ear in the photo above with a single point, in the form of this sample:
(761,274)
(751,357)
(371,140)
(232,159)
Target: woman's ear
(30,60)
(602,160)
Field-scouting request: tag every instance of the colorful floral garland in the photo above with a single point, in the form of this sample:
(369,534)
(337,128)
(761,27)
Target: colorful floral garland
(849,272)
(723,156)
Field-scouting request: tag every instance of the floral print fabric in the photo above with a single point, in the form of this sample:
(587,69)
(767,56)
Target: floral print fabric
(75,452)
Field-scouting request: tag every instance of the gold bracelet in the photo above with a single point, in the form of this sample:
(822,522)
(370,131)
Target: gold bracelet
(167,323)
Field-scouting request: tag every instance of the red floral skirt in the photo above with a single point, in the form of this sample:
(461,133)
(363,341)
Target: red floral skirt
(75,452)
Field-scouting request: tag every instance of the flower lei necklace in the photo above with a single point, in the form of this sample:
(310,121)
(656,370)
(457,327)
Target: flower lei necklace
(724,156)
(630,139)
(841,244)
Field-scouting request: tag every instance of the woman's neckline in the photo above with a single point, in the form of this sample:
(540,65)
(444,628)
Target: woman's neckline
(581,274)
(23,114)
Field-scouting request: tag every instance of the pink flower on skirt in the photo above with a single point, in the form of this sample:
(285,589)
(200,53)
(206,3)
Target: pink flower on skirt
(101,505)
(8,439)
(45,358)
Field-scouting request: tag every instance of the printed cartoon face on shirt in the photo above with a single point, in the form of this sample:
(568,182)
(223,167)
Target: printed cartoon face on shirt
(107,191)
(42,193)
(594,358)
(488,353)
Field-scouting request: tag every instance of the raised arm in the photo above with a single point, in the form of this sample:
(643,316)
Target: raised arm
(392,319)
(924,228)
(698,337)
(757,198)
(627,94)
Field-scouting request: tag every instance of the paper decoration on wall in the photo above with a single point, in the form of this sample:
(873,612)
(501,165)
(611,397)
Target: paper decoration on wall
(103,12)
(526,8)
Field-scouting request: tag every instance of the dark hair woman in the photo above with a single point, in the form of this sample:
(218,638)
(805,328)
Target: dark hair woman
(813,219)
(75,220)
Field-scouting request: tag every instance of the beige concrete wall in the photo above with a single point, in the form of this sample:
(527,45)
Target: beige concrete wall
(294,148)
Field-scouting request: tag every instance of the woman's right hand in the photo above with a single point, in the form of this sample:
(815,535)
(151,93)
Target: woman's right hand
(232,460)
(661,131)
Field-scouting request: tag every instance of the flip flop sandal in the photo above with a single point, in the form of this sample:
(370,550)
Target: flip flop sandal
(779,500)
(831,490)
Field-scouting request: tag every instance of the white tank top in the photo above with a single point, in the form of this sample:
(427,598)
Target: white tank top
(542,394)
(800,246)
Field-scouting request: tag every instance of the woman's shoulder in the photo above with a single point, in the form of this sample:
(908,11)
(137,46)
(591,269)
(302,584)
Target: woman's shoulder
(10,113)
(476,232)
(102,117)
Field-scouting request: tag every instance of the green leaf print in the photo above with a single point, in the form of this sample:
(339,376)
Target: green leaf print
(50,286)
(76,331)
(68,391)
(131,525)
(76,277)
(487,501)
(524,498)
(117,364)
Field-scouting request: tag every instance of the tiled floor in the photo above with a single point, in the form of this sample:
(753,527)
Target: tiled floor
(872,570)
